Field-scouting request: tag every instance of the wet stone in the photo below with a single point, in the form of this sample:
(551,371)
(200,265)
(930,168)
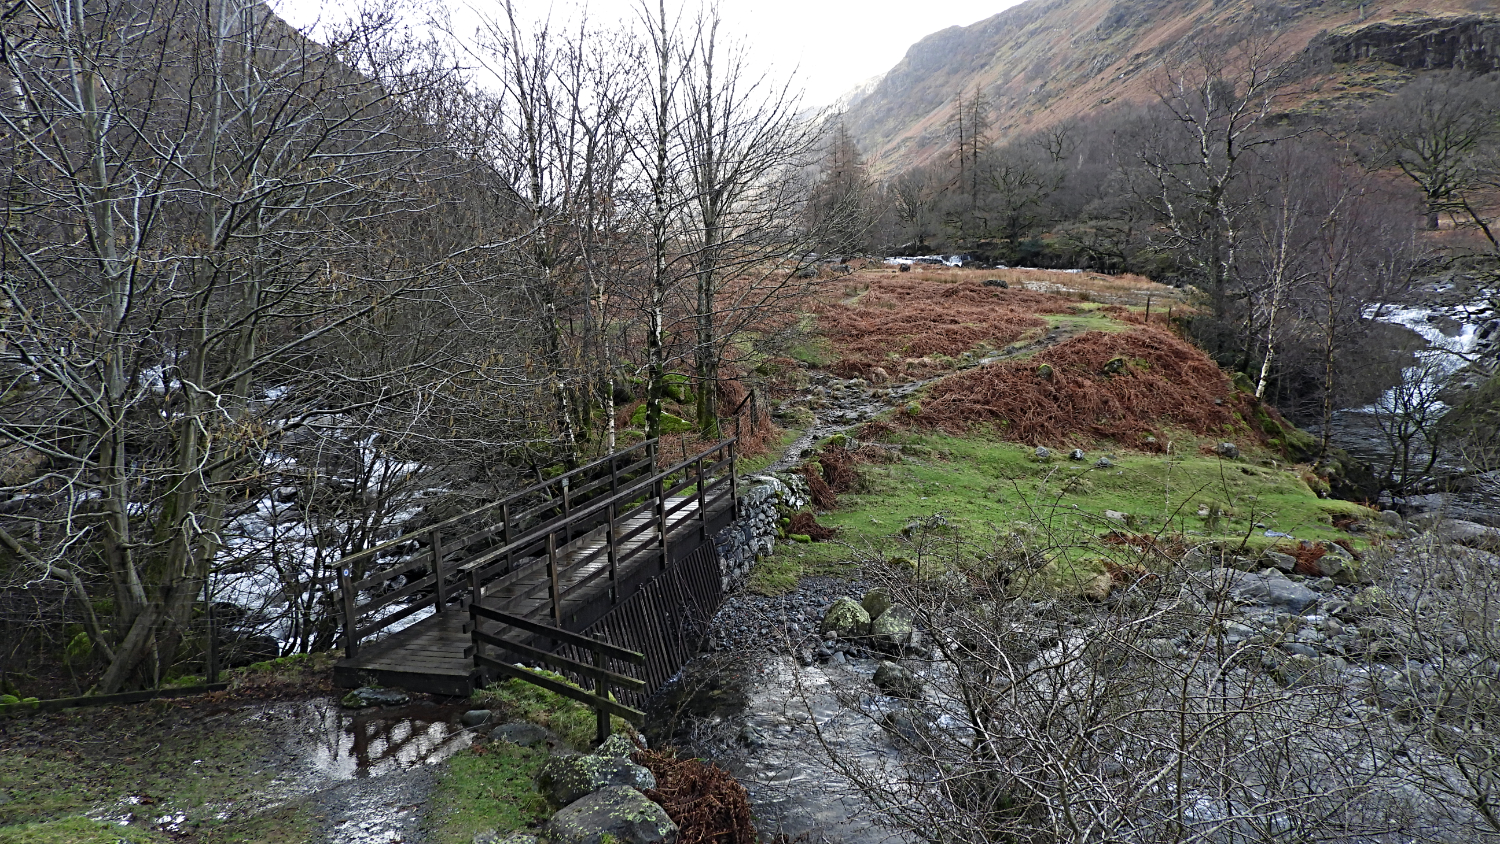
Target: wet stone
(475,717)
(525,735)
(374,696)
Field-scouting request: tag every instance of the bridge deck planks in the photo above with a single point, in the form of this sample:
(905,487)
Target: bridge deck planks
(428,656)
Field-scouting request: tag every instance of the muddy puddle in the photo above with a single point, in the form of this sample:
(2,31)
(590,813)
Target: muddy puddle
(366,773)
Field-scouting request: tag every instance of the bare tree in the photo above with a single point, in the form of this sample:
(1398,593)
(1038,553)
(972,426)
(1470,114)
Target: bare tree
(204,197)
(1443,132)
(1216,108)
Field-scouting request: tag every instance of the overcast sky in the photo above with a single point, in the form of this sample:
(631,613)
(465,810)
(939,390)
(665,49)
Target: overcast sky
(833,45)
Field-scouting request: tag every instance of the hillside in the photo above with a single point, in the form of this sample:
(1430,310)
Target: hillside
(1046,61)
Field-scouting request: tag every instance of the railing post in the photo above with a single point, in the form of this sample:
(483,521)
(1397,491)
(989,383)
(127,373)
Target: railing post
(552,577)
(567,512)
(734,478)
(601,690)
(474,640)
(346,589)
(614,555)
(437,571)
(702,503)
(505,534)
(659,490)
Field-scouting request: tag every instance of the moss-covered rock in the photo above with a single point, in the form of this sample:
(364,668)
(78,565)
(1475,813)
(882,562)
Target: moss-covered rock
(565,779)
(846,618)
(618,814)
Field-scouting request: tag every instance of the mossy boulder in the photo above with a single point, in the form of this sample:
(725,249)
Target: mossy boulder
(897,681)
(875,602)
(565,779)
(893,629)
(846,618)
(617,814)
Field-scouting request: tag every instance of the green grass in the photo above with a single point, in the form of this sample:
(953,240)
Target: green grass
(1086,319)
(981,485)
(573,722)
(59,766)
(76,831)
(487,787)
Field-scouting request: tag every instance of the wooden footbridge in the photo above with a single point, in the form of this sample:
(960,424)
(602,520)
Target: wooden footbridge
(613,560)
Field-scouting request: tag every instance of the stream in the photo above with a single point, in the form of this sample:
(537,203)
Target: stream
(1462,345)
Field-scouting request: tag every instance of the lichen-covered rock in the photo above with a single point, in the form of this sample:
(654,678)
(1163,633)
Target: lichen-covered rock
(1098,587)
(876,601)
(897,681)
(846,618)
(623,814)
(893,629)
(617,746)
(564,779)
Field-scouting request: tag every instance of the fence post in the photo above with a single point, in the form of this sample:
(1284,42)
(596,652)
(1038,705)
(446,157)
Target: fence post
(437,571)
(505,533)
(601,690)
(552,577)
(346,589)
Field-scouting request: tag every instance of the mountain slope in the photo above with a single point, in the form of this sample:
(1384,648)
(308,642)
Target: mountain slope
(1049,60)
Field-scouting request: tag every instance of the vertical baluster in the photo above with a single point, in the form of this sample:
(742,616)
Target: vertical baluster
(702,502)
(658,490)
(552,577)
(614,555)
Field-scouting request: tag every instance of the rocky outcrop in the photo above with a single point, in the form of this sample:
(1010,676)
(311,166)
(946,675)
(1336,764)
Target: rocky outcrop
(1461,42)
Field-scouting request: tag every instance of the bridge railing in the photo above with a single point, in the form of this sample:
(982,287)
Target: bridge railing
(604,706)
(534,528)
(373,598)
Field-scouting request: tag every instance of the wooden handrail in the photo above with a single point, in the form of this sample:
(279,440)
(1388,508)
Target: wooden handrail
(510,499)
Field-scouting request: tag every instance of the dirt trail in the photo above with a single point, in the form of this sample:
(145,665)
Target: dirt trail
(852,405)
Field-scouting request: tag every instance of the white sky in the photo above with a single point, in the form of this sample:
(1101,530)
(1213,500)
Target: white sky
(833,45)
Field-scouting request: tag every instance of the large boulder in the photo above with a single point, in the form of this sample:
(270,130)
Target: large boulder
(876,601)
(893,629)
(565,779)
(846,618)
(615,814)
(1269,588)
(897,681)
